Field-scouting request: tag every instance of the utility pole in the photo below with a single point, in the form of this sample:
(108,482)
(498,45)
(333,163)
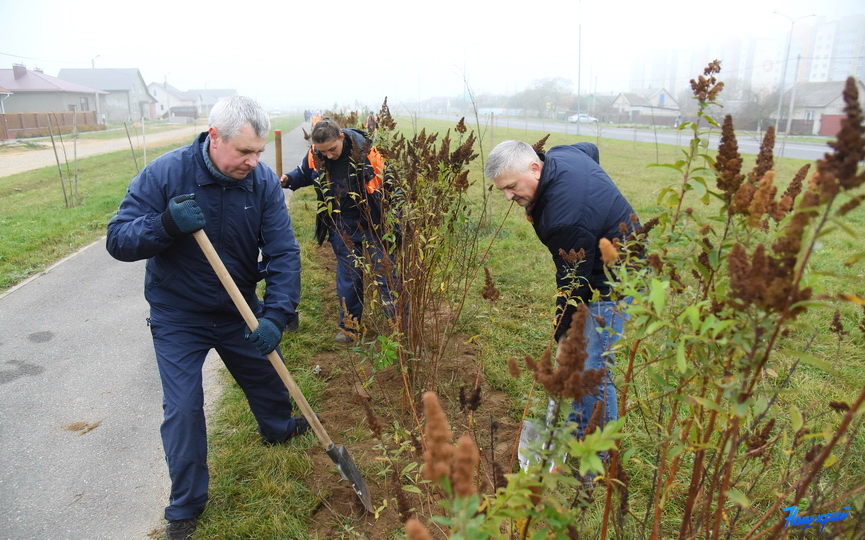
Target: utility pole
(784,66)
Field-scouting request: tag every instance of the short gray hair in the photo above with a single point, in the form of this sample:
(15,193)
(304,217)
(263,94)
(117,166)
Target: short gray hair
(508,156)
(230,114)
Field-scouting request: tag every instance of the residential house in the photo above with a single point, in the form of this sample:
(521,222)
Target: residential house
(30,91)
(209,97)
(174,104)
(650,106)
(126,96)
(818,108)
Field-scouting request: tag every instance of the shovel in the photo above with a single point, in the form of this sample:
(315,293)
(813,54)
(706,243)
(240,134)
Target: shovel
(338,454)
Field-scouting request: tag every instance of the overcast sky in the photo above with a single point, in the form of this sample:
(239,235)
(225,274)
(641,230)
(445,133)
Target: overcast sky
(293,54)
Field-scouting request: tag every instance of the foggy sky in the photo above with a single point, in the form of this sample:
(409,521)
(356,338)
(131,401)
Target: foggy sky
(289,54)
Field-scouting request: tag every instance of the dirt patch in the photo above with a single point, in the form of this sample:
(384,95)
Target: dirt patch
(345,418)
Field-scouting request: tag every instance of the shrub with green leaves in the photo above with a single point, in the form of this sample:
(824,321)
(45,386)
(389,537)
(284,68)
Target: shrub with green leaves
(717,435)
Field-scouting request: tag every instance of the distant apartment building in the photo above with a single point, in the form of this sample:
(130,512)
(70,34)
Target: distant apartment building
(819,51)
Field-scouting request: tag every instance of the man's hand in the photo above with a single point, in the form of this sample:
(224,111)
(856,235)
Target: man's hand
(293,322)
(183,216)
(283,181)
(266,337)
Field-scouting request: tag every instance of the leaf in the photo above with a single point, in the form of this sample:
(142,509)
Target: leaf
(711,120)
(796,420)
(739,498)
(411,488)
(680,357)
(808,359)
(657,294)
(706,403)
(831,460)
(855,298)
(856,257)
(675,166)
(698,184)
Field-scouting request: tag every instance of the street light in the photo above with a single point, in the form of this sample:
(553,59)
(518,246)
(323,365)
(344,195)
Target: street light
(784,66)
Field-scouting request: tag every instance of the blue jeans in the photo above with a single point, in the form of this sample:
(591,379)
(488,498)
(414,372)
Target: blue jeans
(599,343)
(349,277)
(180,354)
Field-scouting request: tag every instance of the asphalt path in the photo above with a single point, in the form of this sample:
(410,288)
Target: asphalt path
(747,144)
(81,401)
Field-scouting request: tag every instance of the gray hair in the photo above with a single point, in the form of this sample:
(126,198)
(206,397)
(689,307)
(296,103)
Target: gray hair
(230,114)
(507,156)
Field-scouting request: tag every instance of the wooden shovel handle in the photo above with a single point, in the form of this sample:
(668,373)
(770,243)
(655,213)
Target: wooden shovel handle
(252,323)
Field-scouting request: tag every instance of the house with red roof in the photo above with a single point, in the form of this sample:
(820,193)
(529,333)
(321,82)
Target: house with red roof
(34,91)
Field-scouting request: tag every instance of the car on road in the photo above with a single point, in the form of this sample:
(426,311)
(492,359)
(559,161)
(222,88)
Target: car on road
(582,118)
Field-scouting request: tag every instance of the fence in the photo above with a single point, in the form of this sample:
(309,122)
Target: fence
(41,124)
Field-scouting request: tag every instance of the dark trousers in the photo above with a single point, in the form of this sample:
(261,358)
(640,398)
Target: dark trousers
(349,277)
(180,353)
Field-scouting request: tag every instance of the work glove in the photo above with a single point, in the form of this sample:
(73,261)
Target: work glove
(183,216)
(293,322)
(266,337)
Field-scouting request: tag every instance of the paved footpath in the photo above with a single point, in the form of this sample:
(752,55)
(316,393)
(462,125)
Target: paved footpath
(80,398)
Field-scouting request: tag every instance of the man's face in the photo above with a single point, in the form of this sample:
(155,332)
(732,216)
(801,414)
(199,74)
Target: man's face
(520,187)
(238,156)
(331,149)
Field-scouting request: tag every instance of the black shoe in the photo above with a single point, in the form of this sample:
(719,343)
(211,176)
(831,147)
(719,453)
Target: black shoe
(180,529)
(301,426)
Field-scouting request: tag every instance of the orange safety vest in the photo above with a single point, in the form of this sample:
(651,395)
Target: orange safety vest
(375,159)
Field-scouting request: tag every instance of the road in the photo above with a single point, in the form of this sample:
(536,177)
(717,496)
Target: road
(747,144)
(81,400)
(13,161)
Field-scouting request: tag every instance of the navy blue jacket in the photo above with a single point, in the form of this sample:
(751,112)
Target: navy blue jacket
(241,218)
(575,206)
(343,185)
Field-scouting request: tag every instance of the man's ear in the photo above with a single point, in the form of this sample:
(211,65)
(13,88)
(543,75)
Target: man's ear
(214,134)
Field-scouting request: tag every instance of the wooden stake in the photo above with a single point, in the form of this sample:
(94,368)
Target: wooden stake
(278,143)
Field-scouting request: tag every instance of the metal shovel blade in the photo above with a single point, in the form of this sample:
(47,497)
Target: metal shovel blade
(340,457)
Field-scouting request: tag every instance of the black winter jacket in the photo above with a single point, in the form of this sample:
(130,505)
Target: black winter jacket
(575,206)
(347,188)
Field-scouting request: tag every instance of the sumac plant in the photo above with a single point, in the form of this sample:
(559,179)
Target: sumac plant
(431,230)
(717,436)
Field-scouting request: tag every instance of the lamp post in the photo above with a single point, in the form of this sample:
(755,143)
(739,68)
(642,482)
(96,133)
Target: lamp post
(784,66)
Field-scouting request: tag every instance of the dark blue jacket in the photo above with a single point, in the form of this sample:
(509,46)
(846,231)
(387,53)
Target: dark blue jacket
(241,218)
(575,206)
(348,203)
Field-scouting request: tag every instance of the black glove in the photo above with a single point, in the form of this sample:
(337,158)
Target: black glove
(183,216)
(293,322)
(266,337)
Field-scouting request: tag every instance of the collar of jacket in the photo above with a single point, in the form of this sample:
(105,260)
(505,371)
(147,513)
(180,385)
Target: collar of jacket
(534,210)
(215,176)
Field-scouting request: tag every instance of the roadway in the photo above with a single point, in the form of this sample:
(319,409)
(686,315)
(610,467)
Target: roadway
(748,144)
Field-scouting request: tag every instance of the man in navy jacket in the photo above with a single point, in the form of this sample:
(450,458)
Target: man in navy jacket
(216,183)
(572,204)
